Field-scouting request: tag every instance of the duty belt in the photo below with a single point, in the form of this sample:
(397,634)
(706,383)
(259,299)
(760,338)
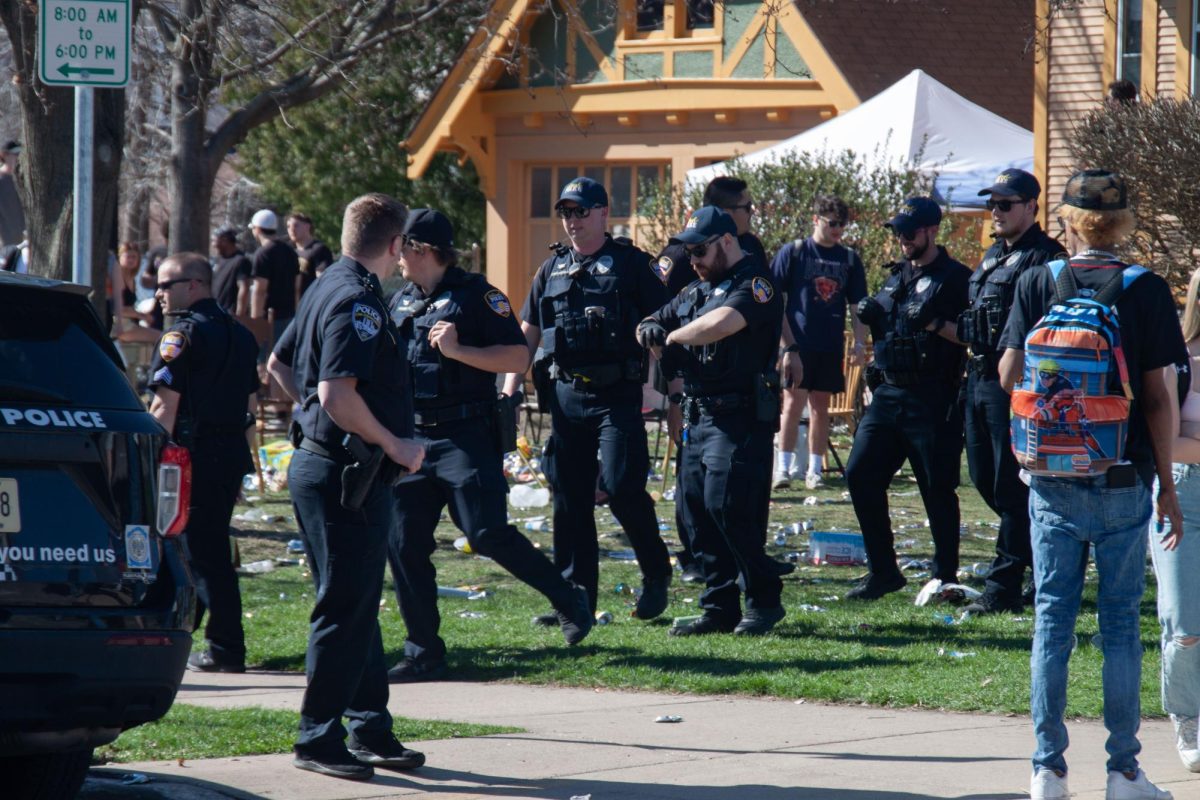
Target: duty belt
(893,378)
(985,364)
(429,417)
(600,376)
(712,405)
(335,453)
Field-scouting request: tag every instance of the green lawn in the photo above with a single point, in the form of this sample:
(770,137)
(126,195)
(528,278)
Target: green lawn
(888,653)
(192,732)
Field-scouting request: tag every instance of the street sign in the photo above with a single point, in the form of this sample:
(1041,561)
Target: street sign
(83,42)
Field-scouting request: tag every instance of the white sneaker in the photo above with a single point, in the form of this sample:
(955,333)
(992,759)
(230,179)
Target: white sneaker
(1185,741)
(780,481)
(813,480)
(1140,788)
(1048,785)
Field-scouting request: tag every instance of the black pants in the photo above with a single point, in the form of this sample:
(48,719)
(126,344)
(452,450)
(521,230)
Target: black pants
(608,423)
(346,554)
(921,424)
(463,469)
(683,523)
(995,473)
(725,485)
(214,493)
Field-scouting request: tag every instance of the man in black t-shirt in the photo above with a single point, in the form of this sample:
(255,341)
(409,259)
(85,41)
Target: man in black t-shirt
(314,255)
(1107,512)
(231,273)
(275,275)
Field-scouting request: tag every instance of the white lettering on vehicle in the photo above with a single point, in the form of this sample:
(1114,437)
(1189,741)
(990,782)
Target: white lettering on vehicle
(77,555)
(56,418)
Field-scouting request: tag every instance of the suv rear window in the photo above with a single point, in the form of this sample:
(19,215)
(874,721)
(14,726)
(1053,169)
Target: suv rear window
(48,354)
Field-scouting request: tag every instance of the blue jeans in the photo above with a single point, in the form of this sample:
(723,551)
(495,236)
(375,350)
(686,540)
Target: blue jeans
(1179,599)
(1069,516)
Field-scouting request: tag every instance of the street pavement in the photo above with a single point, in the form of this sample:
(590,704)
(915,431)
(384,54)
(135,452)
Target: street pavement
(604,744)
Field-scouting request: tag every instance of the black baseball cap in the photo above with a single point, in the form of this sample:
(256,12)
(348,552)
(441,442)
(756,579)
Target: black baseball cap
(429,227)
(226,232)
(1014,183)
(705,223)
(918,212)
(1096,190)
(584,191)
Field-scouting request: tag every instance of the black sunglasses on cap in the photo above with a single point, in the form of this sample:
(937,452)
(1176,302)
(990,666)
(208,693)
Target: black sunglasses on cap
(1003,205)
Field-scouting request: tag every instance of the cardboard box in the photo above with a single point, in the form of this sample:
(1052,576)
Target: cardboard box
(838,549)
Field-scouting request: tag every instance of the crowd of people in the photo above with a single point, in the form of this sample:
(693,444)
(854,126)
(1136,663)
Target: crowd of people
(398,417)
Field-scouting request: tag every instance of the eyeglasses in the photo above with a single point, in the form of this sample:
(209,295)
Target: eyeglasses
(907,236)
(747,207)
(835,223)
(162,286)
(701,249)
(414,245)
(1003,205)
(566,212)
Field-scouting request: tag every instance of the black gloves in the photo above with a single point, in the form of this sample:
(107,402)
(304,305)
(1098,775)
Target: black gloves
(651,334)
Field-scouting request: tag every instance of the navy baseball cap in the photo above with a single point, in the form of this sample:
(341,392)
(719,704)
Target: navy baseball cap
(584,191)
(918,212)
(429,227)
(1014,183)
(1096,190)
(705,223)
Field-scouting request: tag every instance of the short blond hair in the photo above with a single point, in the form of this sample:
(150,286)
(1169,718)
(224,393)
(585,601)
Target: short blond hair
(370,223)
(1099,228)
(1191,311)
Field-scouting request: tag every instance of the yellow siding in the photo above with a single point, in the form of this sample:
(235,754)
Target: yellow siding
(1075,85)
(1167,36)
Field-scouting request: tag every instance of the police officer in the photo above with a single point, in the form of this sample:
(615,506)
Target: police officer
(459,331)
(720,334)
(583,307)
(914,410)
(204,381)
(342,361)
(732,195)
(1020,243)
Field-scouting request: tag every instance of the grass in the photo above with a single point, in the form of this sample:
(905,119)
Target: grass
(192,732)
(888,653)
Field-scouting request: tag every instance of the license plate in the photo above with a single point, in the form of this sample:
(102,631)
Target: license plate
(10,506)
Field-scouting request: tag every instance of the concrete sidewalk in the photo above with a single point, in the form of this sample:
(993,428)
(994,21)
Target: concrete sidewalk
(606,745)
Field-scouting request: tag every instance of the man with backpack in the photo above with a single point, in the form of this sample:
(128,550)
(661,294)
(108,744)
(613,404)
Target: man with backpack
(1093,432)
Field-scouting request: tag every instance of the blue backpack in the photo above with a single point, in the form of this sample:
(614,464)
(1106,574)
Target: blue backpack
(1070,411)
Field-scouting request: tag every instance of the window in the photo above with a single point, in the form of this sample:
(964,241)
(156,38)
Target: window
(699,14)
(1129,41)
(1195,47)
(649,15)
(546,182)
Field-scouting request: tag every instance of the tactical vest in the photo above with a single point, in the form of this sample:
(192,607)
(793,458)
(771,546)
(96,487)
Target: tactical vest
(991,290)
(721,366)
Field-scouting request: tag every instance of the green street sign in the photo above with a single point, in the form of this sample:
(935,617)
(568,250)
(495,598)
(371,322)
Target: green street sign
(84,42)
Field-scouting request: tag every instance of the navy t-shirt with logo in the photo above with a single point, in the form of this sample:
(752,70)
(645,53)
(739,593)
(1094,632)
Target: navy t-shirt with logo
(819,282)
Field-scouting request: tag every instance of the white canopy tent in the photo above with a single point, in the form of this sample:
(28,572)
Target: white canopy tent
(966,144)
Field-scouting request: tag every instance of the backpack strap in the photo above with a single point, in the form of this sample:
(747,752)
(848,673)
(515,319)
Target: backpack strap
(1111,291)
(1065,285)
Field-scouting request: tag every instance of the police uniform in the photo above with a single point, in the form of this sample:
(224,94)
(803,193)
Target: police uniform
(993,468)
(343,330)
(209,359)
(587,307)
(913,413)
(456,421)
(731,412)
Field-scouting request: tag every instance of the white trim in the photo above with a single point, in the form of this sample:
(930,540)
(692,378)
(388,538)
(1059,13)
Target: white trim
(1194,46)
(1122,6)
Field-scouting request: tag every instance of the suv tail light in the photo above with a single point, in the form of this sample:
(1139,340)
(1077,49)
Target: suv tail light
(174,489)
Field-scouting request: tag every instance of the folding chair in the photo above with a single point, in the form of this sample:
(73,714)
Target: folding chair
(847,405)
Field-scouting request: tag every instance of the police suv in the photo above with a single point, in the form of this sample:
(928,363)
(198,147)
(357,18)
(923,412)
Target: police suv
(96,600)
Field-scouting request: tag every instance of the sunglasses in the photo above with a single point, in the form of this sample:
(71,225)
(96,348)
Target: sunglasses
(1003,205)
(907,236)
(164,285)
(701,249)
(414,245)
(835,223)
(747,207)
(566,212)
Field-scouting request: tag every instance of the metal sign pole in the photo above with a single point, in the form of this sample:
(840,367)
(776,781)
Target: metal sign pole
(81,241)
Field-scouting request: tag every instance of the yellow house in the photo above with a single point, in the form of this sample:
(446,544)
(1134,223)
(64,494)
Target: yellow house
(1084,45)
(626,91)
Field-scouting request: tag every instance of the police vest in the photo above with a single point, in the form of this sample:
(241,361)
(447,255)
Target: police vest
(586,322)
(730,364)
(992,286)
(437,380)
(909,353)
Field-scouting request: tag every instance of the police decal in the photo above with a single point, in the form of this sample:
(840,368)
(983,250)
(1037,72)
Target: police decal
(923,284)
(663,268)
(367,321)
(171,345)
(498,303)
(762,290)
(604,264)
(164,376)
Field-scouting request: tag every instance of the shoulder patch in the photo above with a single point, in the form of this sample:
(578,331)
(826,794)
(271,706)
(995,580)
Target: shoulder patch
(663,268)
(367,321)
(171,345)
(498,302)
(762,290)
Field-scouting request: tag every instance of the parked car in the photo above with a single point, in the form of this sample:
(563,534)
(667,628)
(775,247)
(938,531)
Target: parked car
(96,600)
